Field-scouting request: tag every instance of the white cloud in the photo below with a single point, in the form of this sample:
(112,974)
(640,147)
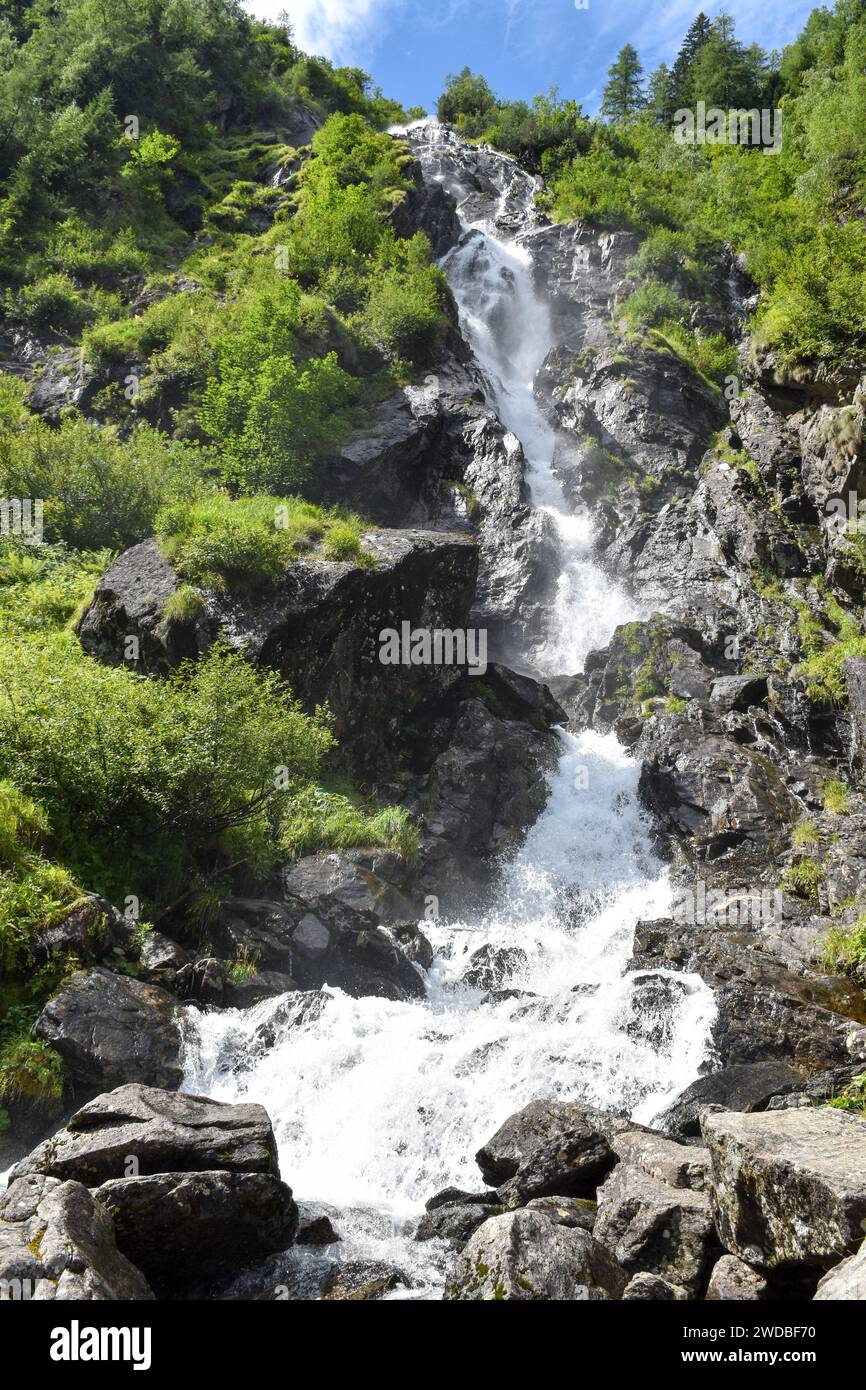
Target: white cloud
(344,30)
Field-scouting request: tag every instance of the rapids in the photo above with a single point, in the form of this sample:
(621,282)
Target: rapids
(377,1105)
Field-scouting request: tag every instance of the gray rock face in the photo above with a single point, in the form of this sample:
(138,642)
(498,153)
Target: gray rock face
(320,628)
(56,1242)
(550,1148)
(321,938)
(162,1132)
(186,1230)
(846,1281)
(453,1223)
(436,456)
(678,1165)
(110,1028)
(745,1087)
(733,1280)
(653,1227)
(788,1187)
(523,1256)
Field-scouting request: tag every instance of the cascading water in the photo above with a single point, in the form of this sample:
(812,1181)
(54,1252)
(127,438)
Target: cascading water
(376,1105)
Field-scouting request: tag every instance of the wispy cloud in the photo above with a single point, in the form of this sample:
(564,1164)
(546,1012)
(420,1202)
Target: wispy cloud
(344,30)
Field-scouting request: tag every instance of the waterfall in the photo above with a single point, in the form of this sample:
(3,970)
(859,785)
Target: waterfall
(377,1105)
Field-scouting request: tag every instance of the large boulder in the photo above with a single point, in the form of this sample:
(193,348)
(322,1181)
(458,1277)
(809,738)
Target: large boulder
(319,628)
(524,1256)
(57,1242)
(138,1130)
(654,1227)
(788,1187)
(111,1028)
(549,1148)
(186,1230)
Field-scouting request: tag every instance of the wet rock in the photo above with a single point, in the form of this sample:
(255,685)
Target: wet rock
(846,1281)
(788,1188)
(549,1148)
(738,692)
(322,938)
(654,1228)
(111,1028)
(56,1242)
(187,1230)
(264,984)
(481,795)
(415,944)
(364,1281)
(453,1223)
(523,1256)
(366,880)
(160,959)
(490,966)
(746,1087)
(317,1231)
(203,981)
(732,1279)
(162,1132)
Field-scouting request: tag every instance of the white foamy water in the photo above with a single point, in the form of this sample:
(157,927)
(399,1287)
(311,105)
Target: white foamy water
(377,1105)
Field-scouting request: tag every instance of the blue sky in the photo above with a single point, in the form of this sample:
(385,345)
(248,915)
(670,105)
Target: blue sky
(521,46)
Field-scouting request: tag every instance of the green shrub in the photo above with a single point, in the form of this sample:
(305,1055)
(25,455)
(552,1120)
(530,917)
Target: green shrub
(29,1070)
(805,835)
(52,302)
(343,543)
(184,605)
(45,586)
(139,777)
(98,489)
(653,303)
(853,1098)
(845,949)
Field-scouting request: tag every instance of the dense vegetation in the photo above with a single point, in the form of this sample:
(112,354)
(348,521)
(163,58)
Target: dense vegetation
(231,328)
(797,215)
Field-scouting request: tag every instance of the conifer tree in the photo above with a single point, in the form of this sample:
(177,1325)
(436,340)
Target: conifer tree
(680,81)
(623,95)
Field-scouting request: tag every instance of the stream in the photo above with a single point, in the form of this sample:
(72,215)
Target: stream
(376,1104)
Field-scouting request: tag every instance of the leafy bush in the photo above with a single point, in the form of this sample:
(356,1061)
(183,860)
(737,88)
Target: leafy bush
(652,303)
(139,777)
(45,586)
(404,311)
(98,489)
(835,797)
(29,1070)
(803,878)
